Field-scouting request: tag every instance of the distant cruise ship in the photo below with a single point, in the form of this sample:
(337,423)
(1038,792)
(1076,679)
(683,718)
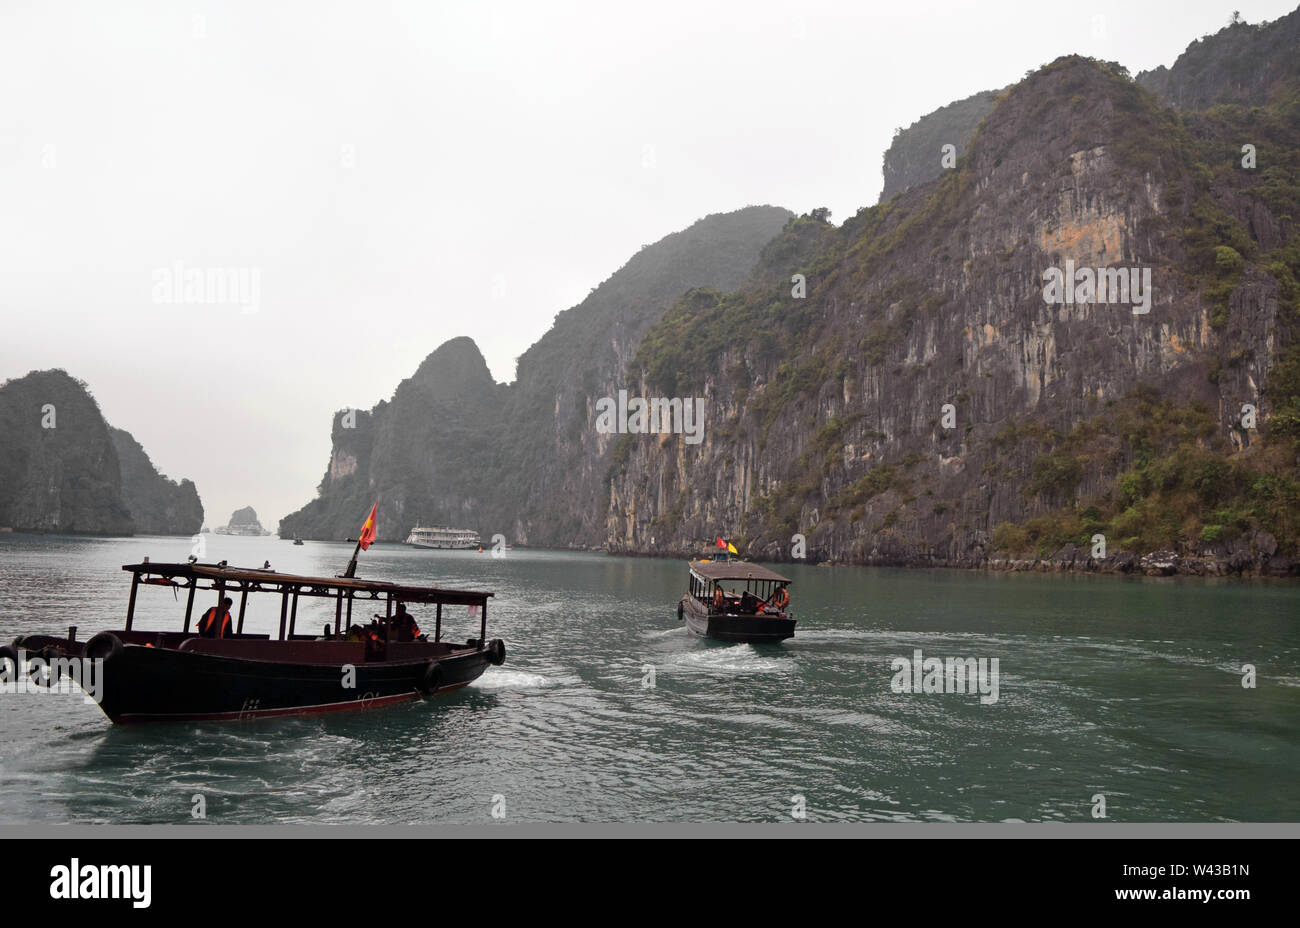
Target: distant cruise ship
(443,538)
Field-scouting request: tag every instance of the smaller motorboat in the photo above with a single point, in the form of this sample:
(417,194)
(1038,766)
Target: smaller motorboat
(734,600)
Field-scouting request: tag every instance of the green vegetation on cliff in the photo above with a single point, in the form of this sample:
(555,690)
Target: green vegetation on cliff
(64,469)
(822,389)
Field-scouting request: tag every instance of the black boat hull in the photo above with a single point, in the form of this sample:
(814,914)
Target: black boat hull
(730,627)
(152,684)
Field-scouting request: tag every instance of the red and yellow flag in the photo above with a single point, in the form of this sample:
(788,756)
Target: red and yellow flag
(368,530)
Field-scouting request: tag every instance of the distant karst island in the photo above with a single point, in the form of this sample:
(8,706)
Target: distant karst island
(243,522)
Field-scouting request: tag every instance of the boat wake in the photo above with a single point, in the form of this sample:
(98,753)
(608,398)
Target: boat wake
(737,658)
(509,680)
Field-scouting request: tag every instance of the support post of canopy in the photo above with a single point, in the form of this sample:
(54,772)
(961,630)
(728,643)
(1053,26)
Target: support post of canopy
(437,625)
(338,608)
(218,611)
(350,594)
(293,614)
(284,610)
(130,603)
(482,632)
(243,605)
(189,603)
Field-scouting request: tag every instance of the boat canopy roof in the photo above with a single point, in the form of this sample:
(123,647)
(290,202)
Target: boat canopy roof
(736,570)
(265,580)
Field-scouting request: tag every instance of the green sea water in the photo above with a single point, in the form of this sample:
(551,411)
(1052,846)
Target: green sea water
(608,710)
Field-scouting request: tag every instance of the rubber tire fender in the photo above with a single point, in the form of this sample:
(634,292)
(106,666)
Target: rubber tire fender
(681,611)
(105,646)
(496,652)
(432,678)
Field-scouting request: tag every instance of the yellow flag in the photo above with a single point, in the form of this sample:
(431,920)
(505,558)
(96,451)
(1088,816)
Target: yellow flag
(732,548)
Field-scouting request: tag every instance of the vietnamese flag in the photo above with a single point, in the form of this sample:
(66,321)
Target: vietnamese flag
(368,530)
(721,543)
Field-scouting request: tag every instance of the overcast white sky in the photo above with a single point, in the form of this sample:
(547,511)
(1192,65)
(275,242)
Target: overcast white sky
(398,175)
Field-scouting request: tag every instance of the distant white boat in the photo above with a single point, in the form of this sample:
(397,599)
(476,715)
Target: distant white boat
(435,537)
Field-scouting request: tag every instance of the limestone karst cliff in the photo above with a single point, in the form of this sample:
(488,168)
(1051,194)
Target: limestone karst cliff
(925,404)
(451,447)
(904,388)
(1240,64)
(158,506)
(64,469)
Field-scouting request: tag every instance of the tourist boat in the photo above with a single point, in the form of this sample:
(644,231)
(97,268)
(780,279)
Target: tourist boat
(733,600)
(159,676)
(435,537)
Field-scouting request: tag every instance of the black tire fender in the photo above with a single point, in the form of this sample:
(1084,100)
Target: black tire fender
(105,646)
(9,652)
(43,675)
(432,678)
(681,611)
(496,652)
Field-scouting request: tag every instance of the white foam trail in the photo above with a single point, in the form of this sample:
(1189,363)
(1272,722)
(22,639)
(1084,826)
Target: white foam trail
(509,680)
(739,658)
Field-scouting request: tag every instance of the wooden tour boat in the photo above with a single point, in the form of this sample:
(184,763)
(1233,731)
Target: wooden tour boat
(152,676)
(733,600)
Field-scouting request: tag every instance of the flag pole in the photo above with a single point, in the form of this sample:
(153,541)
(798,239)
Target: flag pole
(366,538)
(352,564)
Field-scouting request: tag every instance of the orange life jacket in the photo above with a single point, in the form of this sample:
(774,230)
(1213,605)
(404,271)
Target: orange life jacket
(208,627)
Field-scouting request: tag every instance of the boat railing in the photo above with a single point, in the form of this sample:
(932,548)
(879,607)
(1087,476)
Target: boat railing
(345,591)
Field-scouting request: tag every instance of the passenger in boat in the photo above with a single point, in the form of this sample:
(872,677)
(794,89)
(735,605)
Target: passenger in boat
(210,626)
(403,624)
(718,599)
(748,603)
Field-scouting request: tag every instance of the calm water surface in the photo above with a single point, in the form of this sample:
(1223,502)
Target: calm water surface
(1131,688)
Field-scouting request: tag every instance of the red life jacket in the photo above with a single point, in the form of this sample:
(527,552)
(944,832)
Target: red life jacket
(208,625)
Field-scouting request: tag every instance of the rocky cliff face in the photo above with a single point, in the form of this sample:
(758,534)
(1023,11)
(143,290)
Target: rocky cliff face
(915,156)
(158,506)
(454,448)
(64,469)
(925,404)
(907,388)
(59,466)
(1240,64)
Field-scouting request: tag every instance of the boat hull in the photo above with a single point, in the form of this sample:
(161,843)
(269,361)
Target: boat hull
(722,626)
(164,684)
